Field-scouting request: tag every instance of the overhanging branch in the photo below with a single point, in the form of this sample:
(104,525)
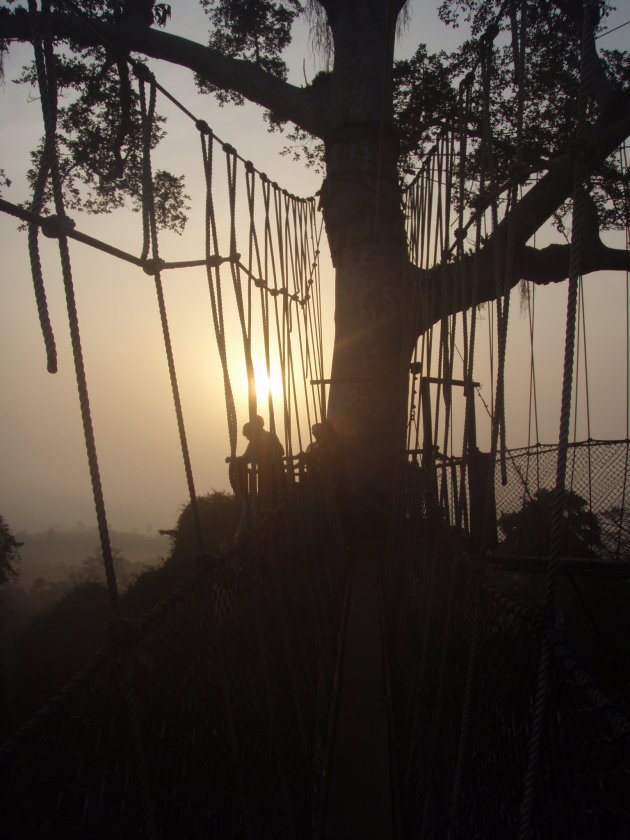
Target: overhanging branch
(287,102)
(551,264)
(544,198)
(451,288)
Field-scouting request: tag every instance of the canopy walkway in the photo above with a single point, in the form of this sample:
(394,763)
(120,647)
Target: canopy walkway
(308,682)
(213,714)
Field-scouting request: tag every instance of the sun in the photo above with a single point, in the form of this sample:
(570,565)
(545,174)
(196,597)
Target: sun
(266,385)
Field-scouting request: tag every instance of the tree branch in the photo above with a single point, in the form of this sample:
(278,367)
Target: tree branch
(544,198)
(287,102)
(551,264)
(450,288)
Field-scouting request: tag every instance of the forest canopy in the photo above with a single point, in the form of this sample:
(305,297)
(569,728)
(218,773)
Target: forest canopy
(99,125)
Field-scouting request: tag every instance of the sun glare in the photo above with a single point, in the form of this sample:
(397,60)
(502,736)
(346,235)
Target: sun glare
(265,384)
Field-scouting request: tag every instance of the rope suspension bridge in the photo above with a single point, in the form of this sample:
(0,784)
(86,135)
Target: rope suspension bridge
(223,712)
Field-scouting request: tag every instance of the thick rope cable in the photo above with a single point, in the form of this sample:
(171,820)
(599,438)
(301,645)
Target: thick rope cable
(36,266)
(216,298)
(46,82)
(45,72)
(288,315)
(254,251)
(148,200)
(53,226)
(463,112)
(45,166)
(281,322)
(575,264)
(244,315)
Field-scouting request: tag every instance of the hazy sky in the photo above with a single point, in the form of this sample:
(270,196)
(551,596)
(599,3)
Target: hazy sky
(44,477)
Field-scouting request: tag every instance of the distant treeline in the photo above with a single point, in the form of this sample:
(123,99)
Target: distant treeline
(56,554)
(51,622)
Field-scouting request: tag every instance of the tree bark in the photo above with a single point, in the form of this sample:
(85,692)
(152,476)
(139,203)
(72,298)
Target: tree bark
(374,336)
(360,199)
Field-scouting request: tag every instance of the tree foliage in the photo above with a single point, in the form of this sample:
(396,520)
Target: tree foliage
(9,554)
(257,31)
(99,120)
(528,531)
(59,640)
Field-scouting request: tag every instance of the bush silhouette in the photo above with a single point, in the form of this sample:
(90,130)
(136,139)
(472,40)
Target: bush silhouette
(528,531)
(60,640)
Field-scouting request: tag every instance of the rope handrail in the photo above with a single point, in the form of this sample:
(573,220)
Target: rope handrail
(54,226)
(587,737)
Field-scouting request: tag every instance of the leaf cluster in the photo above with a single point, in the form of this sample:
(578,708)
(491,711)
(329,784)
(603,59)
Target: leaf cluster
(550,92)
(425,100)
(255,30)
(99,132)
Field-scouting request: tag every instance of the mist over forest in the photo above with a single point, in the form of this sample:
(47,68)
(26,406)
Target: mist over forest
(59,554)
(54,607)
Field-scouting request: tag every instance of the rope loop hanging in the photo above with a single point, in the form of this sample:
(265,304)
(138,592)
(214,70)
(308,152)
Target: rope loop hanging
(150,242)
(44,62)
(46,162)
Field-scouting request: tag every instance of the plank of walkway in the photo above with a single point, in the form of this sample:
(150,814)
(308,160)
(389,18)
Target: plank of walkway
(359,803)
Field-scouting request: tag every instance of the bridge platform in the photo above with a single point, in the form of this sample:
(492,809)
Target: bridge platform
(359,801)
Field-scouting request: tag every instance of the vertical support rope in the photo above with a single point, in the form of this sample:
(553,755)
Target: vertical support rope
(216,298)
(575,265)
(148,201)
(46,80)
(231,162)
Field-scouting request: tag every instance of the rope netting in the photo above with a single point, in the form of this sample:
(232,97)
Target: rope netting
(498,731)
(233,677)
(436,598)
(595,522)
(211,714)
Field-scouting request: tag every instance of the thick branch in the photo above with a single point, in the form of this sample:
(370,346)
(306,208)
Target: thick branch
(287,102)
(551,264)
(454,284)
(544,198)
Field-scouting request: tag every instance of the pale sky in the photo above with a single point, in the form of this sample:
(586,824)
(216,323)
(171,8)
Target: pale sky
(44,478)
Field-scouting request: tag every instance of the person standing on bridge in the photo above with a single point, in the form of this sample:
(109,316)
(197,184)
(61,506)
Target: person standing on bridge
(265,452)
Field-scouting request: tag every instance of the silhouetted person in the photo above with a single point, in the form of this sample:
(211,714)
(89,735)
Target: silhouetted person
(314,450)
(265,452)
(323,450)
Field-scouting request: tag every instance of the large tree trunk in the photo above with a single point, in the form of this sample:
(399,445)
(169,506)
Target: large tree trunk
(374,333)
(360,199)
